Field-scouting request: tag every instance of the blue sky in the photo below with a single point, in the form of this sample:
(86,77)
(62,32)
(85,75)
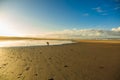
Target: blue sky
(41,16)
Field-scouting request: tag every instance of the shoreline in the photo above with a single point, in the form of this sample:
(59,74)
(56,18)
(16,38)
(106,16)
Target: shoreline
(73,42)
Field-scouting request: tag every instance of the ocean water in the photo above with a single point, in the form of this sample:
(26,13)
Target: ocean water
(19,43)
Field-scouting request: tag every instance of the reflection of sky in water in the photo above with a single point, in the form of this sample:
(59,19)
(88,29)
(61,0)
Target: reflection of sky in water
(17,43)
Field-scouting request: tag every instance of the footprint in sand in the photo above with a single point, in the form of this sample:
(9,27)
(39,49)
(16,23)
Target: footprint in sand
(49,58)
(51,79)
(40,52)
(27,68)
(19,75)
(65,65)
(5,64)
(36,74)
(101,67)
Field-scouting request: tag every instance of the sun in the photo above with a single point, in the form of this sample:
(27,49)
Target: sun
(7,29)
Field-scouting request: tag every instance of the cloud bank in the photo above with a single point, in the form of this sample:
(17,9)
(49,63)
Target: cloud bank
(116,29)
(114,33)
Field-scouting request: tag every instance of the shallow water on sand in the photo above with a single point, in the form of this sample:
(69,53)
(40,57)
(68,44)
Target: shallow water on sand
(19,43)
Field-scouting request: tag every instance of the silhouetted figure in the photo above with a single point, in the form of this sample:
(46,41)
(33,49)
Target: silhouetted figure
(47,43)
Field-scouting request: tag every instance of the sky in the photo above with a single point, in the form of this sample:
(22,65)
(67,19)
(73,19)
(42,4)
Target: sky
(35,17)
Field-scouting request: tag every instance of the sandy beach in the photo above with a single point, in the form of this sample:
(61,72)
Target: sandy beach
(84,60)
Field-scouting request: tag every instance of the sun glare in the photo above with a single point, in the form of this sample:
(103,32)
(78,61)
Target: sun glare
(6,29)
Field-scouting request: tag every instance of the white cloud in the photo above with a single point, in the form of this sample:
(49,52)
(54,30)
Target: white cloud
(98,9)
(116,29)
(86,34)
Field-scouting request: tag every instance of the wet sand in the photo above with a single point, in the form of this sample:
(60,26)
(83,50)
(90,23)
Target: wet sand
(78,61)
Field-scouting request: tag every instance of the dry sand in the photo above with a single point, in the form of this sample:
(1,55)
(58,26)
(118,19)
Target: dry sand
(78,61)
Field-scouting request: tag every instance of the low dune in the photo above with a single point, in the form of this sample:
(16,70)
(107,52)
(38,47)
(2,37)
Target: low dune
(85,60)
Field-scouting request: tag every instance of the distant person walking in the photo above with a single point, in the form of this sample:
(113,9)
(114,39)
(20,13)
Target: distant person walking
(47,43)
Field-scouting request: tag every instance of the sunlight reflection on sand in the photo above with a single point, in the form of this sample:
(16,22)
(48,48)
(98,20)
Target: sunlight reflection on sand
(17,43)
